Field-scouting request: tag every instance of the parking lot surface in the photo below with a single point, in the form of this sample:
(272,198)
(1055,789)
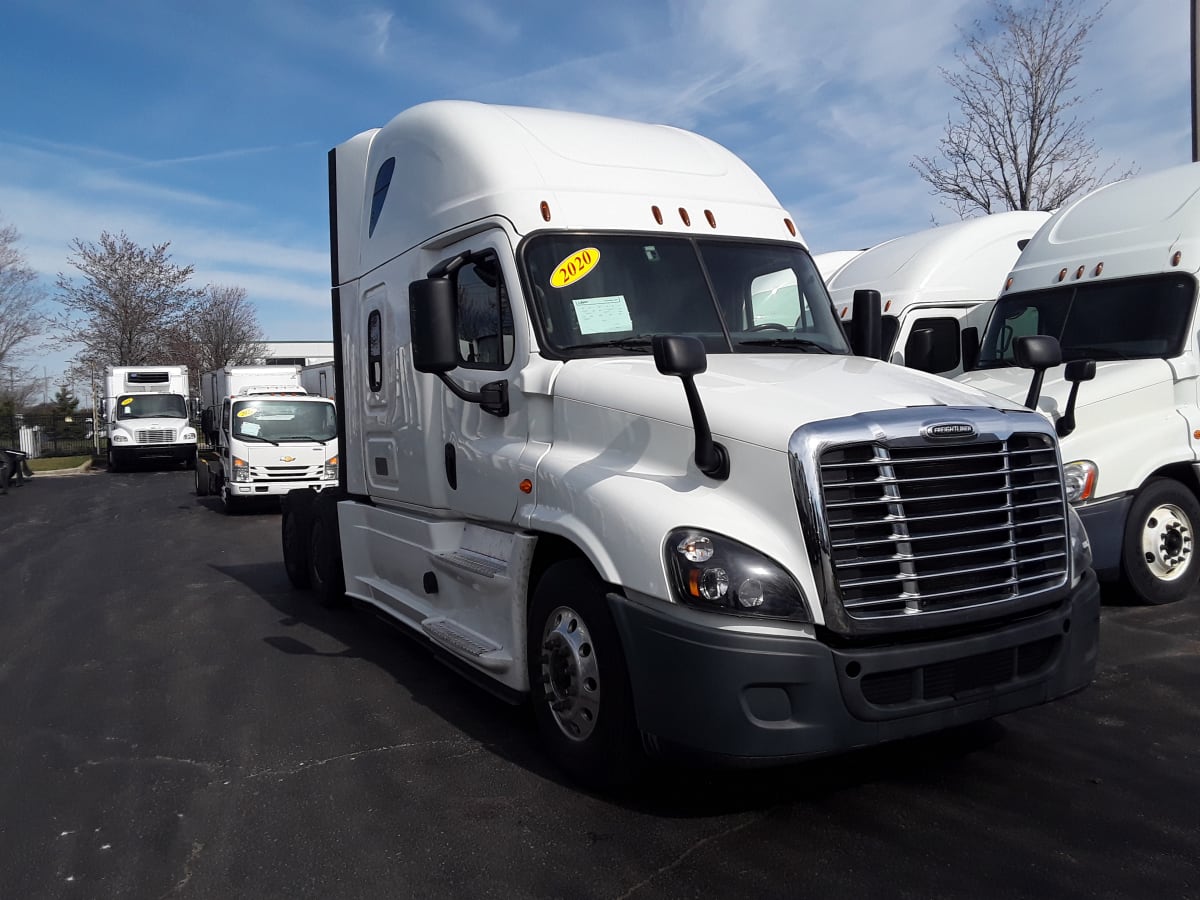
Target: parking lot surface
(179,722)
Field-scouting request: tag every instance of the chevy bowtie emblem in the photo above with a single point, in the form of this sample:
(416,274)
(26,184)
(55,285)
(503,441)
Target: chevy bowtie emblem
(949,430)
(287,459)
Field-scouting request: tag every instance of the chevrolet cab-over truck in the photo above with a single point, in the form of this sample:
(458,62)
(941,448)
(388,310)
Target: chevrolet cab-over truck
(586,469)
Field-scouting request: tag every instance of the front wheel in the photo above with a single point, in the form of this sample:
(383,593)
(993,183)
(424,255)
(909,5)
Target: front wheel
(1159,551)
(201,473)
(231,504)
(325,566)
(295,550)
(579,682)
(114,462)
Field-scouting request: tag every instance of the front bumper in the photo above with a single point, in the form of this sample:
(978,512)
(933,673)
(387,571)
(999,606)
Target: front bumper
(738,698)
(181,452)
(274,488)
(1104,522)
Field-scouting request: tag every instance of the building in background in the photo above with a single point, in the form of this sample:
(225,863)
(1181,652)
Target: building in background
(296,353)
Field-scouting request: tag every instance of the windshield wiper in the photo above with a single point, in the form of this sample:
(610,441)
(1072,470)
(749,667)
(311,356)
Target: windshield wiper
(1070,353)
(255,437)
(785,342)
(637,343)
(303,437)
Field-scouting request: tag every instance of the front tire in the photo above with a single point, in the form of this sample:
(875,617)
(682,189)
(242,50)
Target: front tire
(114,461)
(325,566)
(202,476)
(295,550)
(582,700)
(1159,550)
(231,504)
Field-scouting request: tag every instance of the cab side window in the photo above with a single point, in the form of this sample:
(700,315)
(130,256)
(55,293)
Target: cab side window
(485,325)
(374,352)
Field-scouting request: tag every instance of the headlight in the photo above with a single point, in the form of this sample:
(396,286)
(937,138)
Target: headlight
(1080,478)
(189,434)
(331,469)
(715,573)
(241,470)
(120,438)
(1081,548)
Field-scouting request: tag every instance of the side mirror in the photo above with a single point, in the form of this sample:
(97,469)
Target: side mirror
(433,316)
(970,348)
(918,350)
(684,357)
(866,330)
(1038,352)
(1076,372)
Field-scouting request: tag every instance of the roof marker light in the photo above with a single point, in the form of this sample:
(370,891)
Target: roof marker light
(1079,272)
(845,309)
(1062,274)
(1008,283)
(1177,257)
(1099,269)
(657,214)
(712,220)
(545,210)
(887,306)
(791,227)
(683,215)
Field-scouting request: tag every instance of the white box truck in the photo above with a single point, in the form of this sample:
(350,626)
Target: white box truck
(1112,276)
(318,380)
(580,465)
(269,436)
(146,415)
(937,286)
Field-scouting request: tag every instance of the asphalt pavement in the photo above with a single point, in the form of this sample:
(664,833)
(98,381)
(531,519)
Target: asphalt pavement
(179,722)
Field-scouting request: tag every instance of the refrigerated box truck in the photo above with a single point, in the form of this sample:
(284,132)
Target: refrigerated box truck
(146,415)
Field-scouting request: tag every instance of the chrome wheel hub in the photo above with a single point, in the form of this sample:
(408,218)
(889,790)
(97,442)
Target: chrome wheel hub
(570,676)
(1167,542)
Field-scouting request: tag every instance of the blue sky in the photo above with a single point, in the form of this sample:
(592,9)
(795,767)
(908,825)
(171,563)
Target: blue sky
(207,124)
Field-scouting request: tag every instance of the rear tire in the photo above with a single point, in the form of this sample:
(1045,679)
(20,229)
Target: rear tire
(201,473)
(325,565)
(295,549)
(1159,551)
(582,699)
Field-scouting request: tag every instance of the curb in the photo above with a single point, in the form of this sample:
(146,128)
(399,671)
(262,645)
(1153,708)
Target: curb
(81,469)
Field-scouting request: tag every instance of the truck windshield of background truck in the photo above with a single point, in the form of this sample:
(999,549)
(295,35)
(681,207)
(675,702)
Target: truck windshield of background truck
(598,294)
(1134,318)
(280,420)
(151,406)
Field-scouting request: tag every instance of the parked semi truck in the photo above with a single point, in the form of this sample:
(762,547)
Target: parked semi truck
(1112,276)
(581,465)
(269,436)
(938,286)
(146,414)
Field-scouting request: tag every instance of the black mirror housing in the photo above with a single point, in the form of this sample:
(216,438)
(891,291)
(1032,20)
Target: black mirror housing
(1078,370)
(1037,351)
(679,355)
(433,317)
(918,350)
(866,329)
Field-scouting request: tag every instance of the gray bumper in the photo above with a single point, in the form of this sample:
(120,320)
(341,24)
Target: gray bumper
(1105,525)
(744,699)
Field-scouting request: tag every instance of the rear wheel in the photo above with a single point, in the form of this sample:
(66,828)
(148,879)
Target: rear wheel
(582,699)
(325,565)
(201,473)
(295,550)
(1159,552)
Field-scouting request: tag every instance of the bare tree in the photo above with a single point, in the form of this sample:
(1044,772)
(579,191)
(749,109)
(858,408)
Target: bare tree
(222,328)
(128,304)
(1017,143)
(20,300)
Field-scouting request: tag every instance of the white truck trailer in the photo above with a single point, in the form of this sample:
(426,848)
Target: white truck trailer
(318,380)
(146,414)
(584,469)
(1112,276)
(937,286)
(269,436)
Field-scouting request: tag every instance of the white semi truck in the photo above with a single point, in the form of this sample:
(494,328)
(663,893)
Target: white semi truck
(585,469)
(1112,276)
(937,286)
(146,414)
(269,436)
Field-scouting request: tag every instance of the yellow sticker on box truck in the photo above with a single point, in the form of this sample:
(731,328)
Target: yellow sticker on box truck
(248,411)
(575,267)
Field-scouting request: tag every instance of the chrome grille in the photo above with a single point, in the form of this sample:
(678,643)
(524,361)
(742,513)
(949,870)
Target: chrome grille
(155,436)
(287,473)
(917,527)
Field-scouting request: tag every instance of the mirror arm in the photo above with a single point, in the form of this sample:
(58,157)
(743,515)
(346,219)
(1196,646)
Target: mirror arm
(711,457)
(1066,423)
(491,397)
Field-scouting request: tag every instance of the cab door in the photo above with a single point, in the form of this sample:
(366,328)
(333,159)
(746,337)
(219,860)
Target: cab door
(482,451)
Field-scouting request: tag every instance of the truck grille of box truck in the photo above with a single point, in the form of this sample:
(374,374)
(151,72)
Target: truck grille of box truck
(155,436)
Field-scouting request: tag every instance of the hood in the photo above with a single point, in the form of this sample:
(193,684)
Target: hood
(763,398)
(1113,378)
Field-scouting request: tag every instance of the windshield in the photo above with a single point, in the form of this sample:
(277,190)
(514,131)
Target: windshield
(151,406)
(604,294)
(1135,318)
(284,420)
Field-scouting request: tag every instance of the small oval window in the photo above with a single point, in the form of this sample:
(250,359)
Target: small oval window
(383,181)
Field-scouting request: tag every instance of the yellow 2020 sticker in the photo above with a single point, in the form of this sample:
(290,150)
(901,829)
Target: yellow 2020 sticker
(127,401)
(574,267)
(247,412)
